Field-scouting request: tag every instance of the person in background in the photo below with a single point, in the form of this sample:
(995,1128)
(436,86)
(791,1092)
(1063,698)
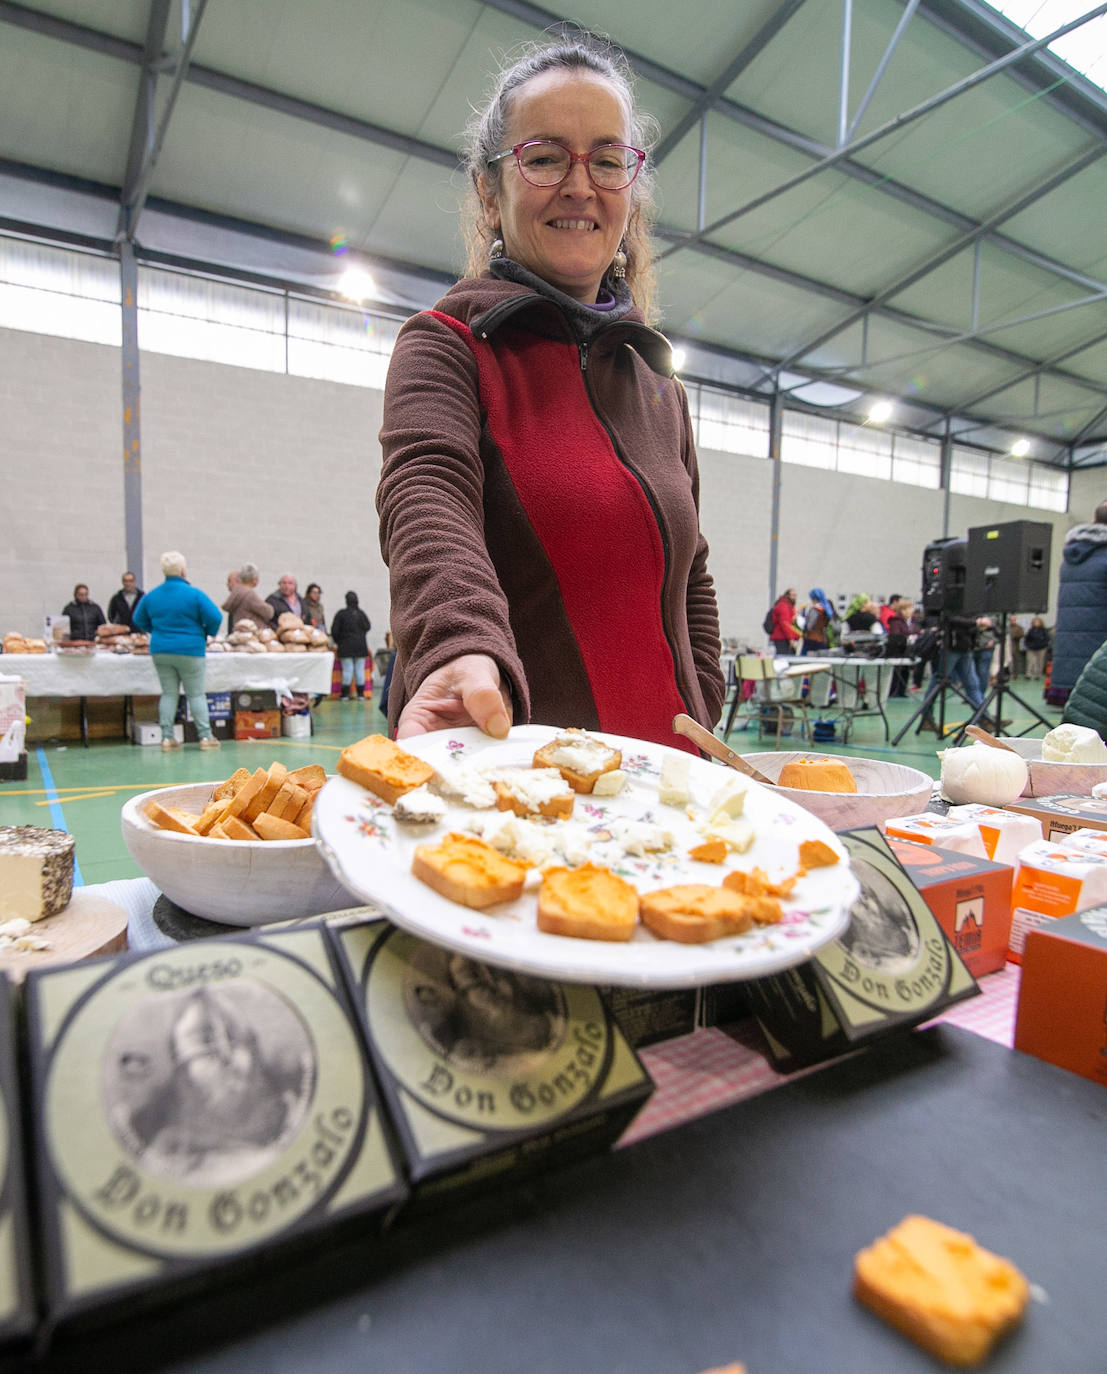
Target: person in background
(861,613)
(122,605)
(286,598)
(1081,625)
(313,613)
(984,651)
(887,609)
(1087,703)
(85,616)
(535,578)
(895,643)
(785,633)
(817,620)
(1015,632)
(243,601)
(348,630)
(1036,644)
(179,618)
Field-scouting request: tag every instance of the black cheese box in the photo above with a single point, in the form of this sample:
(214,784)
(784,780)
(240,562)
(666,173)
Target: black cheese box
(487,1073)
(17,1307)
(196,1108)
(893,966)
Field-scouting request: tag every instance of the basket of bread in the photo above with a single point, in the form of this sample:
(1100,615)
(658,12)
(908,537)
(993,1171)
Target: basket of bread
(15,643)
(238,851)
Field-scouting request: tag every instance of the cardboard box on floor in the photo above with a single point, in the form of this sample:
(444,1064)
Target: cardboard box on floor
(970,897)
(1062,1010)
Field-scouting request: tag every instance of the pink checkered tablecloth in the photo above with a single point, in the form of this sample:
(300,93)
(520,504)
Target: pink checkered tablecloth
(709,1069)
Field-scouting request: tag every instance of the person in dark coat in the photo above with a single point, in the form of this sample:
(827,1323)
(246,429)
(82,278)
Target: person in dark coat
(121,607)
(85,616)
(1081,625)
(348,630)
(1087,703)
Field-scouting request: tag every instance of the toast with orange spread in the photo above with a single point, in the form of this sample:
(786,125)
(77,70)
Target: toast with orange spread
(694,913)
(589,902)
(468,871)
(383,767)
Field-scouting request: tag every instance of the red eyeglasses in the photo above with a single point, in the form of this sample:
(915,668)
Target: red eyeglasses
(611,166)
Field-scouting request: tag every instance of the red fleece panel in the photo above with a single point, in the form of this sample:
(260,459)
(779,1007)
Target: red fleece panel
(595,523)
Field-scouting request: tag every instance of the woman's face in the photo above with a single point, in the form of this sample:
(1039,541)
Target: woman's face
(566,234)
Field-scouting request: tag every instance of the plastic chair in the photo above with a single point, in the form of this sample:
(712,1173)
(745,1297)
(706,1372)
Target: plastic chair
(761,695)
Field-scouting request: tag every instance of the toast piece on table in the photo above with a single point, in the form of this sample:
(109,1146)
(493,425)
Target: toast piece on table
(468,871)
(383,767)
(589,902)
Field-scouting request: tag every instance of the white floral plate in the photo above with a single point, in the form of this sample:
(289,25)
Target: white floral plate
(371,853)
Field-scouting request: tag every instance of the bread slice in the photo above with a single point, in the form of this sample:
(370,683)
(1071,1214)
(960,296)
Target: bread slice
(589,902)
(311,776)
(533,792)
(468,871)
(288,801)
(171,818)
(383,767)
(247,793)
(274,781)
(238,778)
(694,913)
(579,758)
(273,828)
(235,828)
(941,1289)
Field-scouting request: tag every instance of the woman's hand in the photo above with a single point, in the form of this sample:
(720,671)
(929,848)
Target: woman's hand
(466,691)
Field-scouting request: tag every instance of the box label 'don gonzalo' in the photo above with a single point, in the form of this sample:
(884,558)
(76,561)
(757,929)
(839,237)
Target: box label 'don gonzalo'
(481,1046)
(204,1100)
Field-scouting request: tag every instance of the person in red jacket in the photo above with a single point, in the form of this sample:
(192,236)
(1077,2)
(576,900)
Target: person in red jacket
(785,635)
(539,492)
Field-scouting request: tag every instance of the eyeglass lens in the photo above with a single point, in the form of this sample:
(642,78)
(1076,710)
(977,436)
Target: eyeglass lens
(546,164)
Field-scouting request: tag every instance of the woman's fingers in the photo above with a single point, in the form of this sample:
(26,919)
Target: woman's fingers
(466,691)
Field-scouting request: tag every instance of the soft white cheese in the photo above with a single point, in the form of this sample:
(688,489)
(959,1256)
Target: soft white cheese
(463,783)
(640,837)
(1073,744)
(534,787)
(579,753)
(729,801)
(420,806)
(737,832)
(672,788)
(610,784)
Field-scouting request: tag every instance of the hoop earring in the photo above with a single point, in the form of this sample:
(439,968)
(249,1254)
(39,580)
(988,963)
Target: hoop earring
(496,250)
(619,262)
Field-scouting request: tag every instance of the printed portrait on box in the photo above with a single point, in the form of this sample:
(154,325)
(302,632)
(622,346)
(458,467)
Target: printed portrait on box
(882,933)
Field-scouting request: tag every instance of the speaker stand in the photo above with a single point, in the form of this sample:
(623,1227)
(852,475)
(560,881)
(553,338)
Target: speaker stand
(940,684)
(997,693)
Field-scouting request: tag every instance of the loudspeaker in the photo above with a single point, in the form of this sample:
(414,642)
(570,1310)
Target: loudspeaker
(1007,568)
(943,576)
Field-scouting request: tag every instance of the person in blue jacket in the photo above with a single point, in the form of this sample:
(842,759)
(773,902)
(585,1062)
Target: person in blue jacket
(1081,603)
(179,618)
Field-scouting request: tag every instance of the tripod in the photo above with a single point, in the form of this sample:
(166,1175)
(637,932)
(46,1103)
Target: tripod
(997,692)
(940,683)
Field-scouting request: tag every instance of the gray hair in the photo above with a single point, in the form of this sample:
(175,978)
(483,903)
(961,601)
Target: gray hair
(249,572)
(173,564)
(487,129)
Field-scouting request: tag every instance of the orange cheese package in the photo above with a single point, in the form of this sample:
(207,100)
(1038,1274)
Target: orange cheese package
(1063,994)
(941,1289)
(1052,880)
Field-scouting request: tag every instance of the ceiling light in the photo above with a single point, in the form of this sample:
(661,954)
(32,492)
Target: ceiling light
(679,359)
(881,411)
(356,284)
(1020,448)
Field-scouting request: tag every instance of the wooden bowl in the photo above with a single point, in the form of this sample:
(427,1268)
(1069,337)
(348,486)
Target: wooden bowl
(1046,779)
(884,789)
(238,882)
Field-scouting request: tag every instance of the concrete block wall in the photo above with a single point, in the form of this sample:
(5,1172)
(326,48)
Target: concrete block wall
(282,471)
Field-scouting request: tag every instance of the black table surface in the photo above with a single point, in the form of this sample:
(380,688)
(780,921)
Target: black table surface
(729,1238)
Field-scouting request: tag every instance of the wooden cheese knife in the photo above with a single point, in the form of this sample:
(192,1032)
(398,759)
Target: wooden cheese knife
(711,744)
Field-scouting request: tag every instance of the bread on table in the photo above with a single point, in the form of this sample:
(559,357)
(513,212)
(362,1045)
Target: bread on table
(817,775)
(579,758)
(694,913)
(589,902)
(469,871)
(533,792)
(941,1289)
(383,767)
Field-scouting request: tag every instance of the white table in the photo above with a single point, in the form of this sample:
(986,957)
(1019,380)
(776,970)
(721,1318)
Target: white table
(104,674)
(854,686)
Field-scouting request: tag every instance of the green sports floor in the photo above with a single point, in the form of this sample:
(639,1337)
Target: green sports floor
(83,790)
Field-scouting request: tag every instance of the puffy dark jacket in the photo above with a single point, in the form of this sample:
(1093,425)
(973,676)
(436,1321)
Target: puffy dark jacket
(348,630)
(85,617)
(1087,703)
(1081,603)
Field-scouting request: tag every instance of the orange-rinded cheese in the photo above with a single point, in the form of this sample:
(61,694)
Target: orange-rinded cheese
(383,767)
(939,1287)
(468,871)
(817,775)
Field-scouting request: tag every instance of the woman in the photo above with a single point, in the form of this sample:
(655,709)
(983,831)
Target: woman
(1036,644)
(313,613)
(817,622)
(539,490)
(784,630)
(85,616)
(179,618)
(348,631)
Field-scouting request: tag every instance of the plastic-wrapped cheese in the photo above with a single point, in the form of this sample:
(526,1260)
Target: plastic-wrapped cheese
(1053,880)
(36,872)
(1090,841)
(1004,833)
(943,832)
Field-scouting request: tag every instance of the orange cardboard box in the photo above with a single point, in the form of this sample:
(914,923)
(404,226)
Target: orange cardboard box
(1062,1011)
(257,725)
(1063,813)
(970,898)
(1052,880)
